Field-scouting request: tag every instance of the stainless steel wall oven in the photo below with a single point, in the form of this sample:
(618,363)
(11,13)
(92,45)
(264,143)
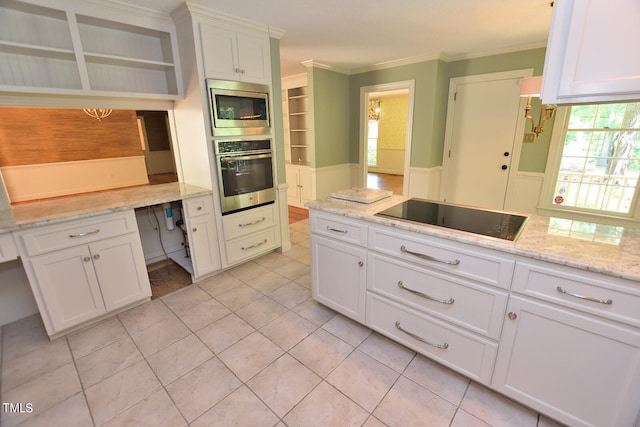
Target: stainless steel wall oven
(239,108)
(245,173)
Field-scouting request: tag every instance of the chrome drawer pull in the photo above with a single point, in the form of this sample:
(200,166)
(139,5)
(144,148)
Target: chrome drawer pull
(598,300)
(336,230)
(429,258)
(442,346)
(258,221)
(254,246)
(420,294)
(84,234)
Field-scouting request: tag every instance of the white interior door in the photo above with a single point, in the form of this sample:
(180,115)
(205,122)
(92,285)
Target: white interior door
(482,124)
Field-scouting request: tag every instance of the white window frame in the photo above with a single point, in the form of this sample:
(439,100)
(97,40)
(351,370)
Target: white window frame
(547,207)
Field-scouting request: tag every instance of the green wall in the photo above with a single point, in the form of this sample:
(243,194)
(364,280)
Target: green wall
(337,126)
(278,125)
(331,117)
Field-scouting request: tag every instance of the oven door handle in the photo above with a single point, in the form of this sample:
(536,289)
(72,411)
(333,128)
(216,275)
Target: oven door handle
(249,157)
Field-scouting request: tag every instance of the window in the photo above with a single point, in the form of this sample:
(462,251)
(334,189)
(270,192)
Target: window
(372,143)
(599,163)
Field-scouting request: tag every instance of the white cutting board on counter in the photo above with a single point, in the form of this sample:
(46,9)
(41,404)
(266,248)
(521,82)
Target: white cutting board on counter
(362,195)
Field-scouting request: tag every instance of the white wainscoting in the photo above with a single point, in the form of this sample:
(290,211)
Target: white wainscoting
(390,160)
(524,192)
(330,179)
(424,183)
(32,182)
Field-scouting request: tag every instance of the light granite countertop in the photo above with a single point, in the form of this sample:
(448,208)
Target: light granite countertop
(606,249)
(48,211)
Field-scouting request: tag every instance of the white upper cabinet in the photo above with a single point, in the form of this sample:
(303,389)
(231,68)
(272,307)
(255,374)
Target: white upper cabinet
(230,54)
(82,50)
(590,56)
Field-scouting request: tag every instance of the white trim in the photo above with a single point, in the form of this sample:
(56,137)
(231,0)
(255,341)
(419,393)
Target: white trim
(424,183)
(364,101)
(283,214)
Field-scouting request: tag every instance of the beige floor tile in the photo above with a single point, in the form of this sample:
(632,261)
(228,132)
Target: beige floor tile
(184,299)
(283,384)
(298,236)
(465,419)
(20,344)
(156,410)
(261,311)
(203,314)
(22,326)
(202,388)
(107,361)
(248,271)
(179,358)
(239,297)
(288,330)
(43,392)
(386,351)
(160,335)
(44,359)
(304,280)
(321,352)
(439,379)
(72,412)
(273,260)
(225,332)
(250,355)
(291,294)
(409,404)
(495,409)
(373,422)
(121,391)
(219,284)
(240,409)
(314,312)
(346,329)
(363,379)
(297,252)
(144,316)
(268,282)
(293,269)
(96,336)
(326,406)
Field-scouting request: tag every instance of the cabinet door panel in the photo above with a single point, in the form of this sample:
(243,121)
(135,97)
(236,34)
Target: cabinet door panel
(205,255)
(120,267)
(219,49)
(578,369)
(69,287)
(253,58)
(339,276)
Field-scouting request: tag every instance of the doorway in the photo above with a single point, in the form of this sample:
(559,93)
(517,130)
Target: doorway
(385,145)
(482,145)
(155,139)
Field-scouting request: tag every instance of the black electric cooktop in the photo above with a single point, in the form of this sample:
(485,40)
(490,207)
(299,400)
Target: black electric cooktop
(501,225)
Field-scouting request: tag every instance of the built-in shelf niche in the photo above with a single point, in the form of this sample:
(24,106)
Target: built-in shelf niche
(298,115)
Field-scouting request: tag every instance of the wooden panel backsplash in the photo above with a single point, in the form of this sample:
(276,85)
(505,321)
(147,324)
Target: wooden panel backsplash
(46,135)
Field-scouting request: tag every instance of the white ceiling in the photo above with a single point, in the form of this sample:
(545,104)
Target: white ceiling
(355,35)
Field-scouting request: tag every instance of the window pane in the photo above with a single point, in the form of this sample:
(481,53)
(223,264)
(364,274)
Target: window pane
(599,167)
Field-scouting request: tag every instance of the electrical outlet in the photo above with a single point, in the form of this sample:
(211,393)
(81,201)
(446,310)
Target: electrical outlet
(529,137)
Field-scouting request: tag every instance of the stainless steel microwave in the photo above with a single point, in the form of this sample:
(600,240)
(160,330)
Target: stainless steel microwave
(239,108)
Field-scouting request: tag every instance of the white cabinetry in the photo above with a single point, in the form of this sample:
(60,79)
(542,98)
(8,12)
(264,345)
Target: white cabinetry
(300,185)
(230,54)
(339,245)
(250,233)
(569,359)
(78,50)
(82,269)
(201,232)
(589,58)
(8,250)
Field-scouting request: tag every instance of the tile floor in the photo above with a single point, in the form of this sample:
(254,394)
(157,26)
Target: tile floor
(247,347)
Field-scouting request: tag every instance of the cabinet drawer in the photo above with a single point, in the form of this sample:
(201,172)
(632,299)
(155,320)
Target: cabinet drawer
(614,298)
(197,206)
(466,353)
(462,260)
(247,222)
(250,246)
(339,228)
(53,237)
(476,307)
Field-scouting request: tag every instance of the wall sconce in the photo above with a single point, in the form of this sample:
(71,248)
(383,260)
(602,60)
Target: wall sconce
(98,113)
(531,87)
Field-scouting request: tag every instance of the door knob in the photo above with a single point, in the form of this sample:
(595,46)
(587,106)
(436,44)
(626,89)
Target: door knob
(503,167)
(506,154)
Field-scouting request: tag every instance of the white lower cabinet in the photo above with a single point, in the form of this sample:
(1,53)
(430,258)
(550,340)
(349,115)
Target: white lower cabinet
(579,369)
(201,233)
(341,281)
(80,270)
